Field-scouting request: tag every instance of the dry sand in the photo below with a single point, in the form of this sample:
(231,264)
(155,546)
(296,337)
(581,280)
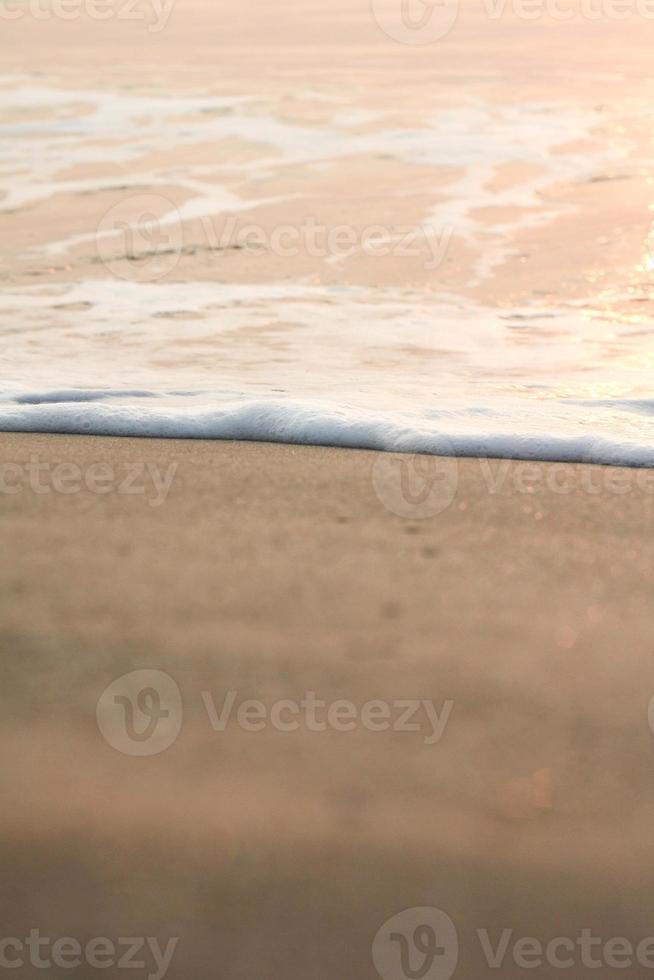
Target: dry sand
(276,570)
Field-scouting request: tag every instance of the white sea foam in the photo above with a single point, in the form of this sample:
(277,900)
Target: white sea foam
(73,129)
(386,369)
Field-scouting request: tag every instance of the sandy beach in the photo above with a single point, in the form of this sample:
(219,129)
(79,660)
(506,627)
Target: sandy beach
(273,571)
(367,682)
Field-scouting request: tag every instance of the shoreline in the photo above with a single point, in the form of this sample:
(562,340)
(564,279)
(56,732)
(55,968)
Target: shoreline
(437,445)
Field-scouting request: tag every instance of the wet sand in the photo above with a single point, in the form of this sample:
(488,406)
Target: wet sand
(273,571)
(305,65)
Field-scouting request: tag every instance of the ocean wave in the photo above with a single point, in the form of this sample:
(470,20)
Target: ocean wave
(315,424)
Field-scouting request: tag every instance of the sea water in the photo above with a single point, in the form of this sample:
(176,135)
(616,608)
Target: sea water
(378,366)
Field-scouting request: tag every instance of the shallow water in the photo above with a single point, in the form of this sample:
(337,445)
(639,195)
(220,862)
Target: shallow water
(378,366)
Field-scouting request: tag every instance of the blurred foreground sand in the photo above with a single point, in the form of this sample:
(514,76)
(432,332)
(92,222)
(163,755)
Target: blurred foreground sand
(275,570)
